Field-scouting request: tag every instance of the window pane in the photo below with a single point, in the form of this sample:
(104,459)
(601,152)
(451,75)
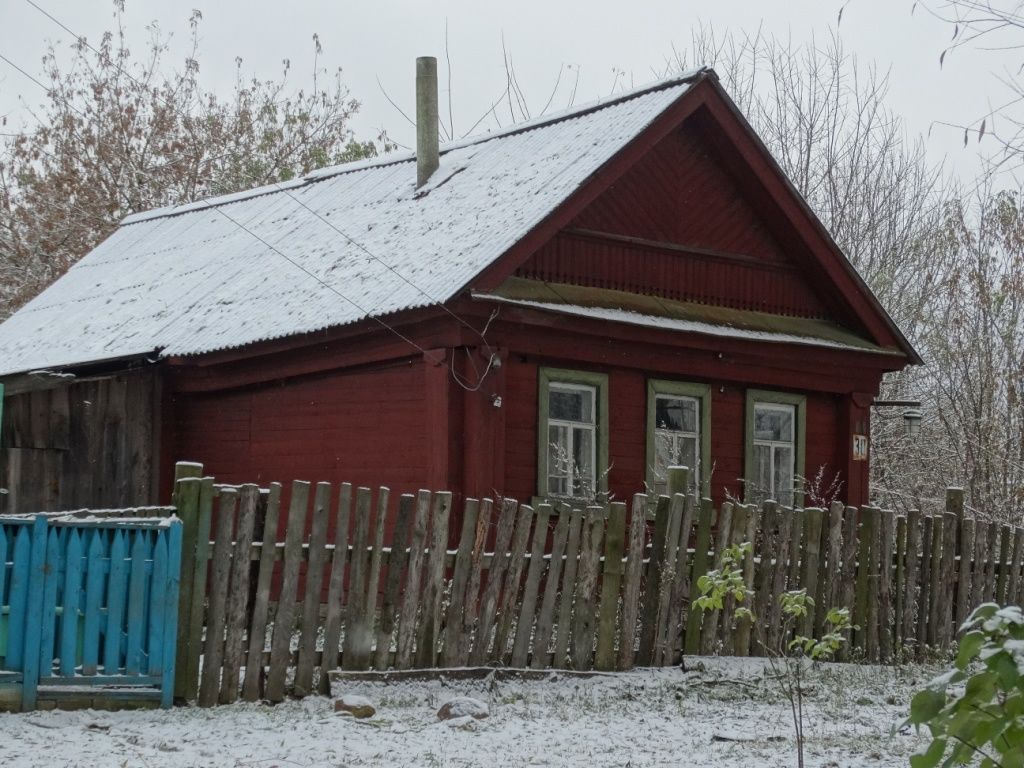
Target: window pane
(567,404)
(676,413)
(773,422)
(558,449)
(762,472)
(664,452)
(783,474)
(558,486)
(688,453)
(583,465)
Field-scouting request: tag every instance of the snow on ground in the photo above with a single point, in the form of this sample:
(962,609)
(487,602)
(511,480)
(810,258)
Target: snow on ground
(722,713)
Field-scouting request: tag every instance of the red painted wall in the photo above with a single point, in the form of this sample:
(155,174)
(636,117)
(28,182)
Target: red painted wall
(366,427)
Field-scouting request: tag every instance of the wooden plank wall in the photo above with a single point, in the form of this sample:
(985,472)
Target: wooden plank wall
(595,587)
(89,443)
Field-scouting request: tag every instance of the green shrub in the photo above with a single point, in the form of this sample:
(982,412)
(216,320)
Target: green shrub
(985,718)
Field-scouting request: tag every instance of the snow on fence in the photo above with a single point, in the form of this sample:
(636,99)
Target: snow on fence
(602,587)
(88,608)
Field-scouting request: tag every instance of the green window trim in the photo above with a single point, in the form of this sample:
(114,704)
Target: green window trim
(755,396)
(599,381)
(702,392)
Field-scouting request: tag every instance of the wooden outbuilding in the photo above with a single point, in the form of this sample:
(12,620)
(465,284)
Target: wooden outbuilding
(564,308)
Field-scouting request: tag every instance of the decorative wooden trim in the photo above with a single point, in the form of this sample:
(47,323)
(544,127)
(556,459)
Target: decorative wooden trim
(755,396)
(660,245)
(599,381)
(657,387)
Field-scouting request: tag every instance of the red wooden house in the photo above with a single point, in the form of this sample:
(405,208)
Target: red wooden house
(564,307)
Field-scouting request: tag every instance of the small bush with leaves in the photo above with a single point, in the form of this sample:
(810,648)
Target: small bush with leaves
(787,661)
(726,581)
(986,718)
(837,620)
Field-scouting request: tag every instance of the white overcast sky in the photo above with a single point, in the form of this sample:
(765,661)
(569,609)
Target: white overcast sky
(381,38)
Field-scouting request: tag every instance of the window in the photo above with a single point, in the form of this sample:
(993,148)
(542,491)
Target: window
(572,451)
(775,447)
(678,415)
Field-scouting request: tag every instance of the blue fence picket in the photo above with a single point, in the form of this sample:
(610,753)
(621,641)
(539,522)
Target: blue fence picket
(52,572)
(34,615)
(93,602)
(170,610)
(136,625)
(71,601)
(157,616)
(147,591)
(20,566)
(116,590)
(3,590)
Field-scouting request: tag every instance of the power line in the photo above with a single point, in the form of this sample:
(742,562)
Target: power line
(30,77)
(352,241)
(331,288)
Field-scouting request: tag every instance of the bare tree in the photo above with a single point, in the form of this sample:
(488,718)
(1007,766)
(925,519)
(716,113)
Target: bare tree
(972,386)
(995,27)
(118,133)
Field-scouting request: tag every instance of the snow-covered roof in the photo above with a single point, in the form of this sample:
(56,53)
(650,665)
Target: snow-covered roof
(243,268)
(687,325)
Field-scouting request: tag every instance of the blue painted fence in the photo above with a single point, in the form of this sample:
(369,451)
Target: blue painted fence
(88,602)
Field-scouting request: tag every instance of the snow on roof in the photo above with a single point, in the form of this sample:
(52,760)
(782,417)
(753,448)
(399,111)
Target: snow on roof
(191,279)
(631,317)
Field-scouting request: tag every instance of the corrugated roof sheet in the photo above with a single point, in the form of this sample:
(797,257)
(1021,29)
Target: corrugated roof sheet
(189,280)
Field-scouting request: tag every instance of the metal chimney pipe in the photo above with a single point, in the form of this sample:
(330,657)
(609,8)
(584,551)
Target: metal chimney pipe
(427,155)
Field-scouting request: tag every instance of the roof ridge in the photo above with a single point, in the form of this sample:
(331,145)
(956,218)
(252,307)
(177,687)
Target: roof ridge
(404,157)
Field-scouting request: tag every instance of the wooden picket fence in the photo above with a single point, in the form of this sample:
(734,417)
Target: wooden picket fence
(600,587)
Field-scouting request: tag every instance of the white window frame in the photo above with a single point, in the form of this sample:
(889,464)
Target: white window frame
(570,428)
(673,435)
(772,445)
(781,401)
(573,379)
(700,479)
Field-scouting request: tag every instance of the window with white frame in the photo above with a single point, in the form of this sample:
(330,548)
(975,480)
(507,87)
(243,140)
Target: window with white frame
(678,432)
(774,451)
(571,439)
(677,439)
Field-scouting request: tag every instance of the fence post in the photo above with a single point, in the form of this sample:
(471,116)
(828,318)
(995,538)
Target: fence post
(195,580)
(652,584)
(33,616)
(185,500)
(955,505)
(691,639)
(955,502)
(168,683)
(610,583)
(678,481)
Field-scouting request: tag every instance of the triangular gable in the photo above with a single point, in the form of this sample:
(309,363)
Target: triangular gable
(748,209)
